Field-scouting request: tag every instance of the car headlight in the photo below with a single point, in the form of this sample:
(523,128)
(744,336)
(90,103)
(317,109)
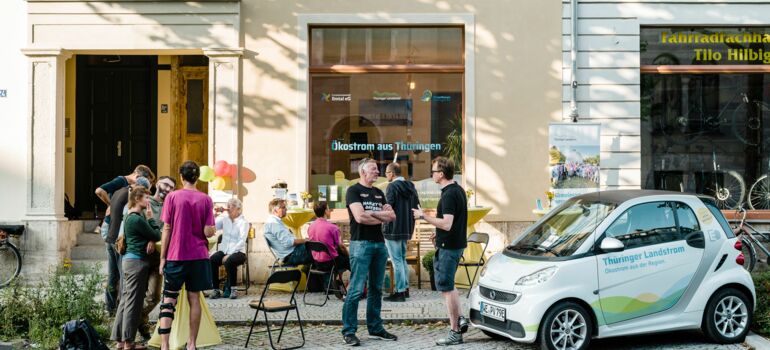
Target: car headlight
(538,277)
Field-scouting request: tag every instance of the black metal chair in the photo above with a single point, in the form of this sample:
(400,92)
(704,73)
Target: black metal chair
(480,238)
(272,306)
(321,269)
(277,262)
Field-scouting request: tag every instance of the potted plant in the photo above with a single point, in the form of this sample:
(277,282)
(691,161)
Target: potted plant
(427,263)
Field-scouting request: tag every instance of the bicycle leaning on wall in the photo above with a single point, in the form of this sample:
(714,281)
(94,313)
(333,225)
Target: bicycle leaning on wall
(10,257)
(751,239)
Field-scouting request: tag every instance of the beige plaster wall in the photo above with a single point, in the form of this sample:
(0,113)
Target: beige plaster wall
(518,92)
(164,120)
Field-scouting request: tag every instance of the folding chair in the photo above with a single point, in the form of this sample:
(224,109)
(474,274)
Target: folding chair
(320,269)
(479,238)
(271,306)
(277,262)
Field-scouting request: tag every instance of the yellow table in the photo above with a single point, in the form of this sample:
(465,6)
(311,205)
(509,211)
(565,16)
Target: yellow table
(541,212)
(295,218)
(208,334)
(473,251)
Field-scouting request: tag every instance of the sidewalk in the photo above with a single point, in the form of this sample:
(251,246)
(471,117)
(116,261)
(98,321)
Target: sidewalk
(423,306)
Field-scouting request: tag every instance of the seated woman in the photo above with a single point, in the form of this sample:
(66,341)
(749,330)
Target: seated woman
(232,250)
(323,231)
(139,230)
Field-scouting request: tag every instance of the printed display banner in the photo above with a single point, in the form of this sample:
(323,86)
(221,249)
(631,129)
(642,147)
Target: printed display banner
(574,159)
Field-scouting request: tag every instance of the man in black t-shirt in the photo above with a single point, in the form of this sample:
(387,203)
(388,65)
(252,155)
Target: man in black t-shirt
(367,209)
(451,223)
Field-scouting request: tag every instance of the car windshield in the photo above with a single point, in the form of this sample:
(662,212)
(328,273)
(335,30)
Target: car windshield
(562,232)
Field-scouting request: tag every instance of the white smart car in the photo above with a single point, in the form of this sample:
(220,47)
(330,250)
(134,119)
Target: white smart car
(617,263)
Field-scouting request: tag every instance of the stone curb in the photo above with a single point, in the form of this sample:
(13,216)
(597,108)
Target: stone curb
(757,342)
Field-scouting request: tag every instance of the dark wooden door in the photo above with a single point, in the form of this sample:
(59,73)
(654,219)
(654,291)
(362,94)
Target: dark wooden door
(116,121)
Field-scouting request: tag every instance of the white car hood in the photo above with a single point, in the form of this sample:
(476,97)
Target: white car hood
(503,271)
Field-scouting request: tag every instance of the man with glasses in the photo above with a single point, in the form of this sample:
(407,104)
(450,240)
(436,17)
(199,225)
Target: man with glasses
(451,223)
(163,187)
(368,210)
(287,247)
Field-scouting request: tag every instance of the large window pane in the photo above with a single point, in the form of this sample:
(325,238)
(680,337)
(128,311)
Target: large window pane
(410,118)
(706,133)
(386,45)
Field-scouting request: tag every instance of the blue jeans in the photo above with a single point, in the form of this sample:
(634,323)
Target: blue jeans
(367,262)
(114,278)
(397,252)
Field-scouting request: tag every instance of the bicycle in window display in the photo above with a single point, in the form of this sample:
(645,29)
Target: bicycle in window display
(726,186)
(759,194)
(686,129)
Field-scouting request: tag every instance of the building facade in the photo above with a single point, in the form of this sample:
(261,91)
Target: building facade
(302,91)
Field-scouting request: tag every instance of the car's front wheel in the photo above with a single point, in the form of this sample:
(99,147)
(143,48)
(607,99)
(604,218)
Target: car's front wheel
(727,317)
(566,326)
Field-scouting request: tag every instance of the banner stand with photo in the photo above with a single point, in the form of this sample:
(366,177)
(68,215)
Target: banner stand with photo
(574,152)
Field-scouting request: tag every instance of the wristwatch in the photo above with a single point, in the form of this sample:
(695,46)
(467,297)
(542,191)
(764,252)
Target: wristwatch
(422,217)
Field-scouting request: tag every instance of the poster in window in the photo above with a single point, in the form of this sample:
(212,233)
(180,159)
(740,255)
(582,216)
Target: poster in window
(574,160)
(385,112)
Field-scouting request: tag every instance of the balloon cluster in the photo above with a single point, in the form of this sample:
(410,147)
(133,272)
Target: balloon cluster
(220,176)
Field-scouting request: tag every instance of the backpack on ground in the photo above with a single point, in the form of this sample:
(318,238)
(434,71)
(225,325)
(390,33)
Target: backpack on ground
(79,335)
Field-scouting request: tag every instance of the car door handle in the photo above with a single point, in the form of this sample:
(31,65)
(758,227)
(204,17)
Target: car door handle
(120,148)
(696,240)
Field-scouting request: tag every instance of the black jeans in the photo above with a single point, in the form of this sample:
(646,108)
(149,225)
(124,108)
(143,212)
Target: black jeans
(231,265)
(114,277)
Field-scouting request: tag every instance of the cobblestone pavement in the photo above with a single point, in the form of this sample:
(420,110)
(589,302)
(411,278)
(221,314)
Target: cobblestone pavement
(423,337)
(423,305)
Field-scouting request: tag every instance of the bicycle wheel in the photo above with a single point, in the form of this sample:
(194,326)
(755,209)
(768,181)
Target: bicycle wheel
(10,263)
(747,121)
(731,193)
(749,254)
(759,194)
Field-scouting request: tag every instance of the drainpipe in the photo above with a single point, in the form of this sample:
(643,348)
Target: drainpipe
(573,62)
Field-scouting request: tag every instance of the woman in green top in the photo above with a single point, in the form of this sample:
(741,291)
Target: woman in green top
(138,231)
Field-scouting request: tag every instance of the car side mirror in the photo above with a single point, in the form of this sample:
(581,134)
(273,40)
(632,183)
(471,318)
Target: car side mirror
(611,245)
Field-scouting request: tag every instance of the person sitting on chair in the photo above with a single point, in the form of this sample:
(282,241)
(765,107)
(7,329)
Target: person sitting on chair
(232,250)
(328,233)
(290,249)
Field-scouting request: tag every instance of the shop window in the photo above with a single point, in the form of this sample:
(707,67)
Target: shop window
(645,224)
(705,129)
(409,109)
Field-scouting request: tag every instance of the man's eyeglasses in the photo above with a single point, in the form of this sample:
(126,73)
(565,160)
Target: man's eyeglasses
(435,171)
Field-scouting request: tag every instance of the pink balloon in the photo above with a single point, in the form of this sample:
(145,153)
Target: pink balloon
(232,170)
(221,168)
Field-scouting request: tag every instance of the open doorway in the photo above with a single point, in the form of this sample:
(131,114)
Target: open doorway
(130,110)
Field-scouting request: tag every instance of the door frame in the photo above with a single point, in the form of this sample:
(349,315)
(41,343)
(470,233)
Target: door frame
(179,122)
(84,186)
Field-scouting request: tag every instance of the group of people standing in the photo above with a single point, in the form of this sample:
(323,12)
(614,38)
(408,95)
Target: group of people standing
(182,221)
(381,224)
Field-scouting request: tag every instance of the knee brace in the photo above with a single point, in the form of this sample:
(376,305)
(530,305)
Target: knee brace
(164,307)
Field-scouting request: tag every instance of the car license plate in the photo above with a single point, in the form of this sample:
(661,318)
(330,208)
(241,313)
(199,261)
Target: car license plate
(493,311)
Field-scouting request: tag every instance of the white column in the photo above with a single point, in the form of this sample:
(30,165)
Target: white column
(45,134)
(224,107)
(48,235)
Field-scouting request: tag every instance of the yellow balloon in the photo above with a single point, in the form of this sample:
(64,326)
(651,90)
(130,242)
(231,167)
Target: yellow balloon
(219,183)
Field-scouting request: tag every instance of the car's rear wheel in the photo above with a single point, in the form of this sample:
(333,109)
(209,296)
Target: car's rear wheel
(566,326)
(727,317)
(493,335)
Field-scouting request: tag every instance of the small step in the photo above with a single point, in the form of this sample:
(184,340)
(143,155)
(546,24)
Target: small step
(89,252)
(90,225)
(88,263)
(90,239)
